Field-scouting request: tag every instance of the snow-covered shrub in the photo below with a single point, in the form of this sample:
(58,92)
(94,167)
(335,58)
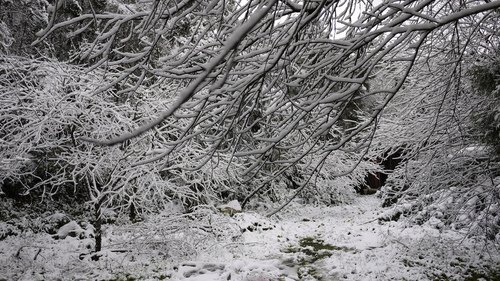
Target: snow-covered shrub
(54,221)
(486,84)
(474,209)
(342,173)
(447,119)
(455,190)
(20,20)
(5,37)
(7,230)
(47,107)
(50,107)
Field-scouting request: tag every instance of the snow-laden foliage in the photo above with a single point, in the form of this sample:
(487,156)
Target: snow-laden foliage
(204,101)
(46,106)
(19,21)
(5,37)
(263,82)
(268,84)
(269,105)
(445,118)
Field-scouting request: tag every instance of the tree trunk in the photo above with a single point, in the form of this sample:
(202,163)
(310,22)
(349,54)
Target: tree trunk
(133,213)
(98,225)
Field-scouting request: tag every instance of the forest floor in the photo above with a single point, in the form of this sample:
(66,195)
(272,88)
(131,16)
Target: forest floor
(303,242)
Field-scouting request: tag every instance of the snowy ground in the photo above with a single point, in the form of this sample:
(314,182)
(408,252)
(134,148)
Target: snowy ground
(301,243)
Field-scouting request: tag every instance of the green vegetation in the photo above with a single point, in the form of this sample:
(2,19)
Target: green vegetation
(469,272)
(313,249)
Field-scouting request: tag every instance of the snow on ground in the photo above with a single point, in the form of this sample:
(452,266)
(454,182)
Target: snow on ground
(301,243)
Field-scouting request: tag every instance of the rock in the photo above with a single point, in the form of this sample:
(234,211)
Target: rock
(190,273)
(70,229)
(54,222)
(231,208)
(213,267)
(253,222)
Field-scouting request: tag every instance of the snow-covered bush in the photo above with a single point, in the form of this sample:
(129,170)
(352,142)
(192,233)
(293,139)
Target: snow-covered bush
(5,37)
(485,80)
(47,107)
(19,21)
(450,130)
(341,175)
(7,230)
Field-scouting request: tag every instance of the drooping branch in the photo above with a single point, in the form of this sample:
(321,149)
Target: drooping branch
(265,81)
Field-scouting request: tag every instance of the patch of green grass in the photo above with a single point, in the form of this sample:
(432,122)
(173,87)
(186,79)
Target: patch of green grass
(127,276)
(123,277)
(308,271)
(410,263)
(475,275)
(313,249)
(163,277)
(319,244)
(472,274)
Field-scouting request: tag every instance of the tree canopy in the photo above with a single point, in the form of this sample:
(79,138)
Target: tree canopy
(271,93)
